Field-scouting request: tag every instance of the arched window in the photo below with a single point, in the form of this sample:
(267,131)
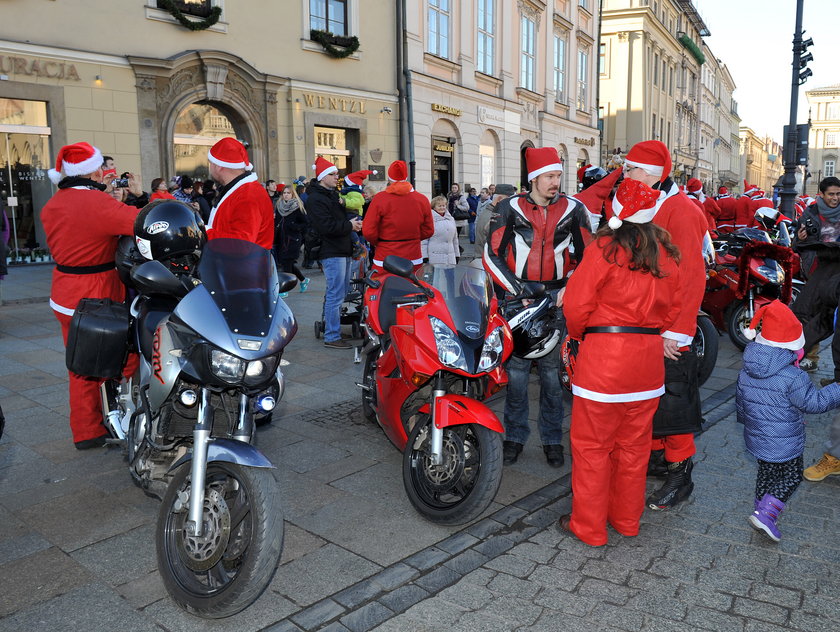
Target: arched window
(197,128)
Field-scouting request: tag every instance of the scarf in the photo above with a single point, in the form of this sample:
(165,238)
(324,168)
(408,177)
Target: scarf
(831,214)
(76,181)
(285,208)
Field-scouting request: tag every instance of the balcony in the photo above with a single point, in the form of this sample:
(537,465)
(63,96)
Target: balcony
(692,48)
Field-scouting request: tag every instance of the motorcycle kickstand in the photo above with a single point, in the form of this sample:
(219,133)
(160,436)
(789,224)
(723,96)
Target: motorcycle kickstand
(357,354)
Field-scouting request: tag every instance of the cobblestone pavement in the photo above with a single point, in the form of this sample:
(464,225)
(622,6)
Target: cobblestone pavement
(77,537)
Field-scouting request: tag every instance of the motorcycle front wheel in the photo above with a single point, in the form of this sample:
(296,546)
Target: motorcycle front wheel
(465,484)
(737,323)
(224,570)
(705,345)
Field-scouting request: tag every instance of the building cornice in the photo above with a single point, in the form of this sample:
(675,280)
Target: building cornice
(65,54)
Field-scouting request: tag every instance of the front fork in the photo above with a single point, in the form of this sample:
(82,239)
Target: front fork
(439,390)
(201,438)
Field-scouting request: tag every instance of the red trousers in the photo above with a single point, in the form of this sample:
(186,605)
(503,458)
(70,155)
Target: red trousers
(85,401)
(610,452)
(677,447)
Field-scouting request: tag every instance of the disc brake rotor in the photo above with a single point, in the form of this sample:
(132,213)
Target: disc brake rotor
(201,553)
(442,477)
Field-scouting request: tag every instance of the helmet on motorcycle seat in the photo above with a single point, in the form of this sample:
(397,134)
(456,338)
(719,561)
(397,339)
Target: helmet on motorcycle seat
(767,217)
(171,232)
(127,257)
(568,355)
(534,329)
(592,175)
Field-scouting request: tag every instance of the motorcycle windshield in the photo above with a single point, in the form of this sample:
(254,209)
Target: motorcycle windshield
(467,291)
(242,280)
(754,234)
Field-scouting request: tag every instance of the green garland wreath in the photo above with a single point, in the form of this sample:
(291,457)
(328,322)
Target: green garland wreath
(347,45)
(193,25)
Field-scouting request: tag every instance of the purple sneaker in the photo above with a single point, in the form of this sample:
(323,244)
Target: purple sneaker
(765,515)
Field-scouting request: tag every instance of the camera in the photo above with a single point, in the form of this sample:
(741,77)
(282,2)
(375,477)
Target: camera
(121,182)
(810,227)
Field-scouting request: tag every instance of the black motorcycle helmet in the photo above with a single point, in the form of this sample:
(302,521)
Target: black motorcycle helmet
(534,329)
(171,232)
(592,175)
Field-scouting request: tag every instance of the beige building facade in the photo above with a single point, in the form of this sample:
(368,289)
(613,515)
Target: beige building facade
(489,77)
(762,162)
(136,83)
(824,137)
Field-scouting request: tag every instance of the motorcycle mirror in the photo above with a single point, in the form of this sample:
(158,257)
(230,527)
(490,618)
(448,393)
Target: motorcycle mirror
(287,281)
(399,266)
(153,277)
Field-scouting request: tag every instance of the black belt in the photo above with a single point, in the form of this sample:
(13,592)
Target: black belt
(613,329)
(102,267)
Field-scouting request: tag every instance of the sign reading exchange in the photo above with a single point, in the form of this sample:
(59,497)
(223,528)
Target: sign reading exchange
(437,107)
(38,68)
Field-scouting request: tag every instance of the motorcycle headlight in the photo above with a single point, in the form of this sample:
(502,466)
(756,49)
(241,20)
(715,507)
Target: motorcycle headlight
(449,347)
(259,371)
(491,353)
(226,366)
(774,274)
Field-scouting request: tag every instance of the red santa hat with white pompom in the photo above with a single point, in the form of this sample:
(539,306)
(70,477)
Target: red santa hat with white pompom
(779,327)
(230,153)
(323,167)
(78,159)
(634,202)
(357,177)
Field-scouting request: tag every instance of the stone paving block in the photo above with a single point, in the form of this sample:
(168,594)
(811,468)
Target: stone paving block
(730,584)
(467,595)
(509,515)
(658,605)
(553,577)
(760,610)
(438,579)
(90,607)
(357,594)
(434,614)
(519,611)
(465,562)
(807,622)
(39,577)
(394,576)
(713,620)
(298,542)
(556,622)
(565,602)
(403,597)
(315,616)
(610,593)
(472,621)
(283,626)
(494,546)
(673,568)
(608,571)
(621,618)
(776,595)
(656,624)
(426,558)
(143,591)
(706,597)
(763,626)
(457,543)
(480,576)
(484,528)
(335,626)
(119,559)
(733,566)
(366,617)
(823,606)
(13,548)
(512,564)
(513,586)
(534,552)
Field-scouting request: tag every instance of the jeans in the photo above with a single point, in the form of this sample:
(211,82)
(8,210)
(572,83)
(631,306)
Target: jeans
(472,231)
(550,420)
(337,275)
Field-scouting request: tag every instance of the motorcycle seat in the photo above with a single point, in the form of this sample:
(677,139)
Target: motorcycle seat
(393,287)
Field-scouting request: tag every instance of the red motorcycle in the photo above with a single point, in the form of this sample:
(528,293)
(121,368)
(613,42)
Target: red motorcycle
(747,271)
(434,349)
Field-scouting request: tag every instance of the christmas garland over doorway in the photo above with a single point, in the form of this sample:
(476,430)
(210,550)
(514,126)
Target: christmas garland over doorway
(193,25)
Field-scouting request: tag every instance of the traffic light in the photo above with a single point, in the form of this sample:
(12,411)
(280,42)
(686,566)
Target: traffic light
(802,131)
(804,58)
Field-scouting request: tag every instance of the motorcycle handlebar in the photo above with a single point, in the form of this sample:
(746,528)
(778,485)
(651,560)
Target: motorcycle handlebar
(411,298)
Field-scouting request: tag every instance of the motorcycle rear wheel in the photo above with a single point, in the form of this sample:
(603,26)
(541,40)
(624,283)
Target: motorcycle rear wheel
(369,392)
(226,569)
(465,485)
(737,322)
(705,345)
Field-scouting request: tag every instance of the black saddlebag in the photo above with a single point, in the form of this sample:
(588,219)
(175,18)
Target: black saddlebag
(97,342)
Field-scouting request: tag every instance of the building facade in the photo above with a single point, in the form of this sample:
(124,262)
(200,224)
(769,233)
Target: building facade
(489,77)
(154,94)
(719,122)
(762,162)
(824,137)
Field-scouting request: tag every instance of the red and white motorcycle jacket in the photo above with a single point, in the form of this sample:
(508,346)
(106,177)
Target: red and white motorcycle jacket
(528,242)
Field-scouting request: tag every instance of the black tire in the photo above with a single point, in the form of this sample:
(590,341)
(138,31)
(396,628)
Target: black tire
(737,321)
(466,483)
(318,329)
(705,346)
(240,562)
(369,392)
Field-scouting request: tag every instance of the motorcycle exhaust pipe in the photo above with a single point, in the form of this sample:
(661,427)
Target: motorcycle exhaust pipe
(112,417)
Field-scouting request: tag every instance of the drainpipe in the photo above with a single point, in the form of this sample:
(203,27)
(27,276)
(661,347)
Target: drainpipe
(599,122)
(400,79)
(409,102)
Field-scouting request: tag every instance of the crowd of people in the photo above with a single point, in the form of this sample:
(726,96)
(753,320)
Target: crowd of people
(622,261)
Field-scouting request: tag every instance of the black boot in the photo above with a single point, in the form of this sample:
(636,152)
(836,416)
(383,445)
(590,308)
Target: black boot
(677,487)
(657,466)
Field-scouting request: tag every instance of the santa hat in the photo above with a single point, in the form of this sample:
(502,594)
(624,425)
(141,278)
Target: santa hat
(582,172)
(280,186)
(541,160)
(749,189)
(398,171)
(323,167)
(230,153)
(634,202)
(694,185)
(357,177)
(78,159)
(779,327)
(652,156)
(723,191)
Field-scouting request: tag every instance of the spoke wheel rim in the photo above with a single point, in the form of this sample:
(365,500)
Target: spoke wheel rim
(451,483)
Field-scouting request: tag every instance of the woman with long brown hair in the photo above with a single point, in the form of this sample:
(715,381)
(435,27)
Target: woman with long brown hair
(617,302)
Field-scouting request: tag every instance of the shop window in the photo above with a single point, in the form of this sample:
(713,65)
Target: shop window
(439,28)
(197,129)
(328,15)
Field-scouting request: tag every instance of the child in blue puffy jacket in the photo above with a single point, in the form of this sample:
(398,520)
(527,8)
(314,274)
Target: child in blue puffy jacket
(772,395)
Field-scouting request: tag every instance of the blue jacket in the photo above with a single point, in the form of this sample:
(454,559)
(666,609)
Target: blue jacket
(771,399)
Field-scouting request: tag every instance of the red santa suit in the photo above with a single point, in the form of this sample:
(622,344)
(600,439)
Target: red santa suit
(397,220)
(728,206)
(617,382)
(83,226)
(244,211)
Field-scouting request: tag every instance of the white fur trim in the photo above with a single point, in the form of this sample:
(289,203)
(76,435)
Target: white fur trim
(642,216)
(229,165)
(750,334)
(617,397)
(82,168)
(325,172)
(552,167)
(54,176)
(615,223)
(793,345)
(654,170)
(683,340)
(250,178)
(61,309)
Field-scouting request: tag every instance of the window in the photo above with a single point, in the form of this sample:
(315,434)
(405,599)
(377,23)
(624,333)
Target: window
(583,65)
(439,27)
(559,67)
(668,138)
(664,73)
(328,15)
(828,171)
(831,139)
(833,111)
(197,8)
(656,70)
(602,59)
(584,4)
(528,56)
(671,81)
(485,36)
